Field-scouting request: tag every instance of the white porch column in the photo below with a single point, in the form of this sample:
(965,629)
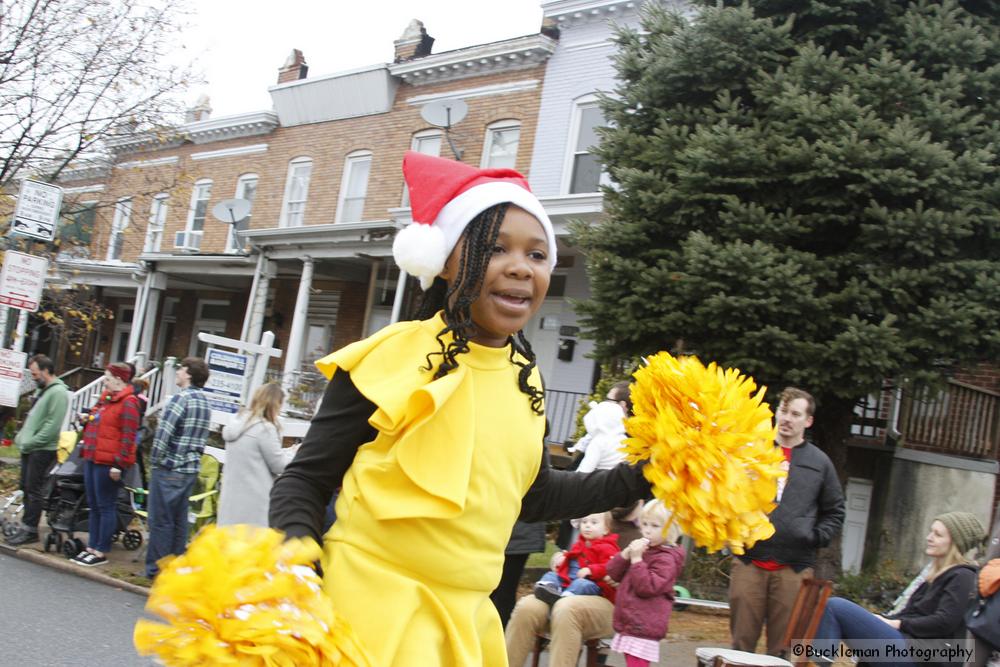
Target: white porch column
(370,298)
(397,302)
(293,355)
(138,317)
(149,321)
(4,315)
(22,329)
(259,306)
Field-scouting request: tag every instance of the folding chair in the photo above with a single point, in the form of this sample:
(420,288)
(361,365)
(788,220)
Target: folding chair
(810,604)
(202,505)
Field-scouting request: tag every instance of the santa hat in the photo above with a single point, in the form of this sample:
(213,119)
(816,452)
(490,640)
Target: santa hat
(444,197)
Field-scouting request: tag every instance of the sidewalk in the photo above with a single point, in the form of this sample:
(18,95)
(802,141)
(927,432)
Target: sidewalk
(123,569)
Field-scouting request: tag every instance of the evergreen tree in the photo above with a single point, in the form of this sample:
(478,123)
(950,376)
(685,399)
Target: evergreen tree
(807,190)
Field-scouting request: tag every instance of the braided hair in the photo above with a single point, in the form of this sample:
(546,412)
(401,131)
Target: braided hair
(457,298)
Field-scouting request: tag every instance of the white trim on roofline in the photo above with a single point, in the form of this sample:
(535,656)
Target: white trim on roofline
(480,91)
(145,164)
(230,152)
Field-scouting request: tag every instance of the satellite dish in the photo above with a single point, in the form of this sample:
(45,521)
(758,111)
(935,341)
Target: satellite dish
(231,211)
(444,113)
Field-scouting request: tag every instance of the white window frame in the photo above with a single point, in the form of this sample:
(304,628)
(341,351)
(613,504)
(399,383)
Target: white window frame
(119,223)
(491,131)
(350,164)
(159,207)
(241,184)
(415,145)
(192,236)
(579,105)
(293,211)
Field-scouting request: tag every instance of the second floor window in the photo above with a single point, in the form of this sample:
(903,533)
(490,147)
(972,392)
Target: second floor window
(500,151)
(76,228)
(354,187)
(246,188)
(293,211)
(157,221)
(586,170)
(190,238)
(119,223)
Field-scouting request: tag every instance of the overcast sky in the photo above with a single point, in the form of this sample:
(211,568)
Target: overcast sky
(239,45)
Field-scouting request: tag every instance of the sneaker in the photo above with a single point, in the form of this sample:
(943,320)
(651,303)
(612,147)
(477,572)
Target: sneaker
(22,536)
(80,556)
(90,560)
(547,592)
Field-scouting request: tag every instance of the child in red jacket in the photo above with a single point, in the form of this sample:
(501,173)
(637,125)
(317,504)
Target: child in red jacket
(647,569)
(581,570)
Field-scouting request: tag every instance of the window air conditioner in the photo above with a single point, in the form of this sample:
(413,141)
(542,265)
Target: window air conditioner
(187,241)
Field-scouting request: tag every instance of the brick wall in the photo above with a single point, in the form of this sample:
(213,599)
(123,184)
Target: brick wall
(386,135)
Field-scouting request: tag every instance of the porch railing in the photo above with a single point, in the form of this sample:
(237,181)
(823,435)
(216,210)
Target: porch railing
(561,408)
(959,419)
(161,387)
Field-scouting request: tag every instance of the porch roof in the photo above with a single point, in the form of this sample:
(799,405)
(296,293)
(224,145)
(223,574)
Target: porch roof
(97,273)
(337,240)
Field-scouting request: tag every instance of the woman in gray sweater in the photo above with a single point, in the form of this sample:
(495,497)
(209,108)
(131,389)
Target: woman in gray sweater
(254,458)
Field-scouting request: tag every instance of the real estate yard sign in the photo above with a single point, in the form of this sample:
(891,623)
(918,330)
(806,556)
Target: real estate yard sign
(226,379)
(22,280)
(11,376)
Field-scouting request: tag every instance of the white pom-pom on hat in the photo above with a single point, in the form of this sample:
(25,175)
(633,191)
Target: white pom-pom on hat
(421,251)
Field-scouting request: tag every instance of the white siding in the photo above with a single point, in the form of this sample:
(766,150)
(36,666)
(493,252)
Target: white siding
(580,66)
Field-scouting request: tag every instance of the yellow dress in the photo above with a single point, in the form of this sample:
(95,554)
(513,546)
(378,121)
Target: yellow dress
(426,508)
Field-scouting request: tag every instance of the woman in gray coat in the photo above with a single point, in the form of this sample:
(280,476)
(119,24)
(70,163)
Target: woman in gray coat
(254,458)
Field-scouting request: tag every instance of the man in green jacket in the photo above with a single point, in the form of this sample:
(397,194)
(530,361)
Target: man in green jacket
(37,440)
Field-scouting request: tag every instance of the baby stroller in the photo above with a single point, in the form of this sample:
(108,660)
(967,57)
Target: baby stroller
(67,513)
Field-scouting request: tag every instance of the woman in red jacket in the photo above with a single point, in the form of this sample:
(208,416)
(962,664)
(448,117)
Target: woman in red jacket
(108,449)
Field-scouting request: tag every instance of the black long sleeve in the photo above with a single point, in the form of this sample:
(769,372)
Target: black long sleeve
(300,495)
(302,492)
(563,494)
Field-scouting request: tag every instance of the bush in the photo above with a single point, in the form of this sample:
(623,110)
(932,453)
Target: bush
(875,589)
(706,575)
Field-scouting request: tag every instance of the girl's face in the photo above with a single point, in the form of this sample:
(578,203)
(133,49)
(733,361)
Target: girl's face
(516,279)
(651,527)
(112,383)
(593,526)
(938,541)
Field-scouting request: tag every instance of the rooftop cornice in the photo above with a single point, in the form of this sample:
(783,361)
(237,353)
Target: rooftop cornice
(505,56)
(249,124)
(569,13)
(84,173)
(252,123)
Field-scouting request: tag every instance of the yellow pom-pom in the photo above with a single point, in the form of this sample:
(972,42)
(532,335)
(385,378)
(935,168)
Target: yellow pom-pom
(708,440)
(241,595)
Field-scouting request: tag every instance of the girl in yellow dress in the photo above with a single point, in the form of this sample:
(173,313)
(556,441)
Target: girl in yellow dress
(433,430)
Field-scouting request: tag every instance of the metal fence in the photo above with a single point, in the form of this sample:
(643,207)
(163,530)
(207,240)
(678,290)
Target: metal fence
(561,408)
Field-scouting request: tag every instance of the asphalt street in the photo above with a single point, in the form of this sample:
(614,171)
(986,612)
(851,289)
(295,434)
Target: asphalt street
(52,619)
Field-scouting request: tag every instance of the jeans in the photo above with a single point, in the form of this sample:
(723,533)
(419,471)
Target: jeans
(845,621)
(168,515)
(34,465)
(576,586)
(102,494)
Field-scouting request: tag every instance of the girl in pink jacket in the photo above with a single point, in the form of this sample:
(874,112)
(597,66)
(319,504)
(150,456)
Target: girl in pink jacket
(647,569)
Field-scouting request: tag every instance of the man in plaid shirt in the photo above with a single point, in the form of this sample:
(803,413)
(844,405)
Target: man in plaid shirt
(174,462)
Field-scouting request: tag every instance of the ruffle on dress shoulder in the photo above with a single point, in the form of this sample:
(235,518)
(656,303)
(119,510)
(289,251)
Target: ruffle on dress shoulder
(430,420)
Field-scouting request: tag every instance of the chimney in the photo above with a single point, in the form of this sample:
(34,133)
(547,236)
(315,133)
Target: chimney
(550,28)
(202,110)
(414,42)
(295,67)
